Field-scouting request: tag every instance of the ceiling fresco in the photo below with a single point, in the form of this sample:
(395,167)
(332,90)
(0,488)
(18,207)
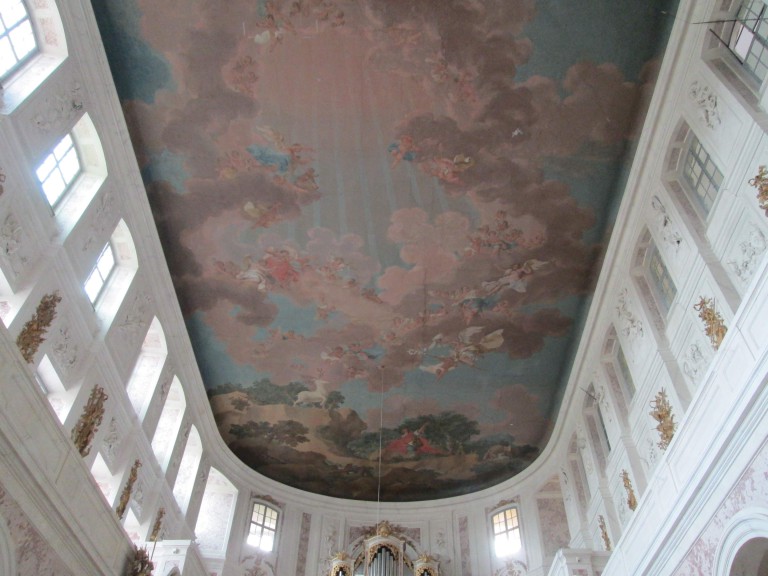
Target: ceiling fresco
(383,218)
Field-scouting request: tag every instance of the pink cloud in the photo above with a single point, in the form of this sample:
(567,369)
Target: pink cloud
(432,250)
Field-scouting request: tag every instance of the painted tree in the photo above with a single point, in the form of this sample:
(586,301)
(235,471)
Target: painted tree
(288,432)
(334,400)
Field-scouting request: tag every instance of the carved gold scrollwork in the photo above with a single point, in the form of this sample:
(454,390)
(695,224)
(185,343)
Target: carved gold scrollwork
(604,533)
(33,333)
(631,499)
(140,564)
(714,327)
(662,413)
(125,496)
(158,525)
(760,183)
(89,421)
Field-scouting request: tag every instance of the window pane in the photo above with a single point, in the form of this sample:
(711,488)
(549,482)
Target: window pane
(93,286)
(267,541)
(17,38)
(664,287)
(702,175)
(12,12)
(7,57)
(742,42)
(45,168)
(62,147)
(59,170)
(506,532)
(629,383)
(106,262)
(261,532)
(23,39)
(70,166)
(54,187)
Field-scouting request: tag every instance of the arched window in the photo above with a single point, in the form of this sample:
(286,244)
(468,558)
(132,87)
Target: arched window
(17,38)
(97,279)
(703,177)
(108,281)
(619,375)
(598,433)
(505,527)
(262,529)
(107,482)
(169,424)
(60,399)
(146,371)
(743,546)
(32,46)
(579,475)
(653,277)
(190,463)
(735,47)
(748,38)
(59,170)
(661,282)
(693,177)
(72,172)
(215,518)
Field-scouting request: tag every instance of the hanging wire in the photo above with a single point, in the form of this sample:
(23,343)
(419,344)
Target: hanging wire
(381,432)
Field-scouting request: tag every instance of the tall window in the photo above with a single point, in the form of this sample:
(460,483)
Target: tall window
(702,176)
(506,532)
(263,528)
(59,170)
(17,39)
(603,429)
(627,382)
(661,281)
(100,273)
(749,38)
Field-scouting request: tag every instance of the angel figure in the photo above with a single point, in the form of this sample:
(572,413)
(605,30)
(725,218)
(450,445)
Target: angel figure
(515,277)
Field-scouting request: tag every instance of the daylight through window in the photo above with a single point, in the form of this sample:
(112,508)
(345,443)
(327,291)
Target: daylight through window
(506,532)
(261,532)
(702,175)
(749,38)
(663,285)
(59,169)
(98,276)
(17,39)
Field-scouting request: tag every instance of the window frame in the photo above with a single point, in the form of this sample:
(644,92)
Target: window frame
(6,76)
(262,526)
(624,373)
(496,537)
(694,155)
(742,23)
(70,184)
(663,301)
(104,279)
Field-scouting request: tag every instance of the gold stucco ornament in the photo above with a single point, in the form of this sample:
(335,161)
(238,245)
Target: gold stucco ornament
(631,499)
(760,182)
(604,533)
(125,496)
(89,421)
(714,327)
(157,526)
(662,413)
(140,564)
(33,333)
